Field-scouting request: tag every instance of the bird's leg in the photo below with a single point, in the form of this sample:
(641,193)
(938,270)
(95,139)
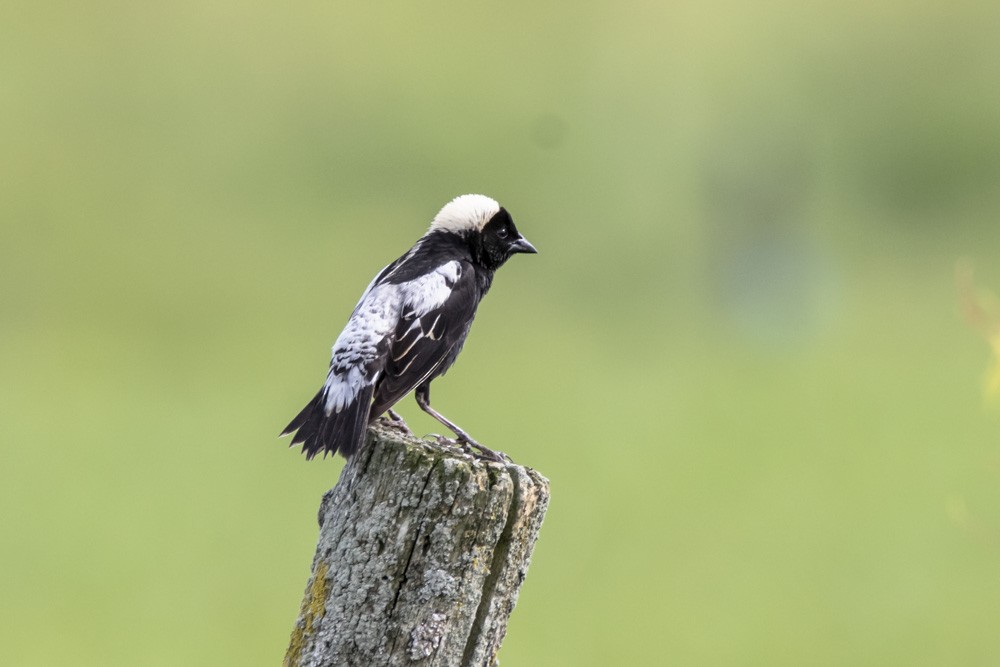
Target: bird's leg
(423,396)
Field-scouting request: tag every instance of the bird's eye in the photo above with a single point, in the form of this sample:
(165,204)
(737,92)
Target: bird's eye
(503,232)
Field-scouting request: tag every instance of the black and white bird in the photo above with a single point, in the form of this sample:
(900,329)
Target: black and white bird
(409,327)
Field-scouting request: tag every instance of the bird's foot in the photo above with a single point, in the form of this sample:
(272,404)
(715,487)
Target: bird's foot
(463,444)
(393,420)
(446,442)
(482,451)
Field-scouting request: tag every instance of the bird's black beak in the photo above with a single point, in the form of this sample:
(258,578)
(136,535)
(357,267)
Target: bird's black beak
(521,244)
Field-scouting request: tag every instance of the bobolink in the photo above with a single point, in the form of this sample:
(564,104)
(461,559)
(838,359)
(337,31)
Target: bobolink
(409,327)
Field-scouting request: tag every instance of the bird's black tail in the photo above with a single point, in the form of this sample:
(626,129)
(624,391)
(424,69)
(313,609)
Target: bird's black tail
(342,431)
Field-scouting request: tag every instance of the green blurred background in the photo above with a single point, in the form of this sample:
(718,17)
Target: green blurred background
(738,355)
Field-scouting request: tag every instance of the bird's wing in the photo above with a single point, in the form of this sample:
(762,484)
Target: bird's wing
(337,418)
(360,350)
(436,312)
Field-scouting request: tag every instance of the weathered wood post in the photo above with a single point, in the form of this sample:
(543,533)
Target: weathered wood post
(421,554)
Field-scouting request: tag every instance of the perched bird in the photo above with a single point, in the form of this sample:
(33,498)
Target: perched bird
(409,327)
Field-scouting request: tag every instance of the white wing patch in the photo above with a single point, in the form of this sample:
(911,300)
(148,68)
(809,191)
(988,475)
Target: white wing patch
(355,361)
(424,294)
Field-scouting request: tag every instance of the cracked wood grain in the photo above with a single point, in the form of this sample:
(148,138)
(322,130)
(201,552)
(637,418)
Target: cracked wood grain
(421,554)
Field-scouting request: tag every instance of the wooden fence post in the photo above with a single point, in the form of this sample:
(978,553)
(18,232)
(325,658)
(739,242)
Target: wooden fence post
(421,554)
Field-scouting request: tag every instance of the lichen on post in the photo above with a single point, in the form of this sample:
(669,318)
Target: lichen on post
(421,554)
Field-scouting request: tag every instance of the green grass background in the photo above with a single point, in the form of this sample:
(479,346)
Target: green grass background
(738,355)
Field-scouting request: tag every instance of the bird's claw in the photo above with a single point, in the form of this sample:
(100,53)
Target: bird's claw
(482,451)
(443,441)
(467,445)
(394,421)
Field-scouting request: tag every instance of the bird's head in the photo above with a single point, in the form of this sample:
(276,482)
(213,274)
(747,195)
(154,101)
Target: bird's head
(486,226)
